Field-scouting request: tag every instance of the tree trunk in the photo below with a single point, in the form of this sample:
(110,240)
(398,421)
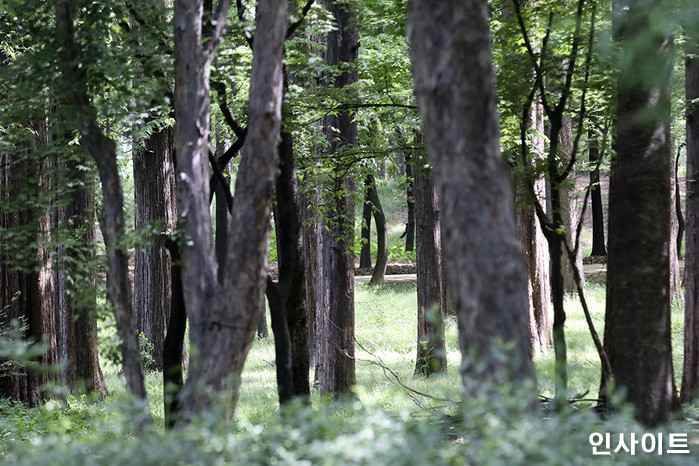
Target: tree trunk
(410,226)
(103,150)
(75,305)
(431,350)
(223,318)
(365,252)
(570,209)
(455,89)
(21,299)
(335,365)
(690,372)
(154,199)
(637,320)
(537,261)
(286,298)
(381,235)
(598,243)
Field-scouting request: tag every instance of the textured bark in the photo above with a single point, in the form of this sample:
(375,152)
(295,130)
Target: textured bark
(381,234)
(335,365)
(223,318)
(571,206)
(76,323)
(431,350)
(454,83)
(103,151)
(25,287)
(154,199)
(536,254)
(690,372)
(637,320)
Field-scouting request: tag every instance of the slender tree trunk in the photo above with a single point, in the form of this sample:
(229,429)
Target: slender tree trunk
(365,252)
(570,209)
(637,320)
(455,88)
(381,235)
(286,298)
(537,260)
(598,243)
(690,372)
(103,150)
(410,226)
(431,350)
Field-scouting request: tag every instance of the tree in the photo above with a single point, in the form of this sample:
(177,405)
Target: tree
(223,316)
(598,244)
(74,278)
(26,294)
(431,349)
(154,199)
(455,88)
(690,372)
(335,365)
(637,318)
(372,196)
(103,151)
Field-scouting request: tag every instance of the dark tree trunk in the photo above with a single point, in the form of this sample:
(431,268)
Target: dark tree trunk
(76,323)
(223,318)
(381,234)
(173,346)
(103,150)
(455,89)
(690,372)
(431,350)
(335,365)
(21,299)
(637,320)
(365,252)
(154,199)
(286,298)
(410,226)
(598,243)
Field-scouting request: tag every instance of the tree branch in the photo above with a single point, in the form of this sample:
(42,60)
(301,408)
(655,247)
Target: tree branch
(293,27)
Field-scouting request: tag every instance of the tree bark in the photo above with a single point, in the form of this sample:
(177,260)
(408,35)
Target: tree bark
(455,88)
(286,298)
(24,299)
(637,319)
(76,323)
(223,318)
(335,365)
(570,209)
(154,199)
(103,150)
(431,350)
(690,372)
(536,254)
(381,235)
